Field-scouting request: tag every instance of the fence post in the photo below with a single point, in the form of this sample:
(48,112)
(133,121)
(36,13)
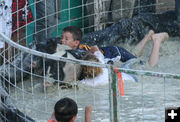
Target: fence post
(98,10)
(115,116)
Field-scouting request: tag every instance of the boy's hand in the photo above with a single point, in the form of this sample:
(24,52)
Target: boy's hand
(94,49)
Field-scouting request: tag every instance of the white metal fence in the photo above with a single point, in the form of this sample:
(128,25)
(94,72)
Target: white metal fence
(28,94)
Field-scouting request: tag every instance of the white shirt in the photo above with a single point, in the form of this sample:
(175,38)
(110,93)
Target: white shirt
(102,78)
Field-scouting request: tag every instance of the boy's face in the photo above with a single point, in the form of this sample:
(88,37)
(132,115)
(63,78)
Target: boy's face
(67,39)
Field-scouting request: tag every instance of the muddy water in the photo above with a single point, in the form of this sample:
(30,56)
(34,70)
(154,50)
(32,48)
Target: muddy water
(144,100)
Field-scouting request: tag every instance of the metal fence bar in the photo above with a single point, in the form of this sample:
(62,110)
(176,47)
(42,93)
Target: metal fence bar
(115,108)
(149,73)
(129,71)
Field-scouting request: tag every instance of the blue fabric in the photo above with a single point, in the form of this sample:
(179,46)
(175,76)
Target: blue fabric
(112,52)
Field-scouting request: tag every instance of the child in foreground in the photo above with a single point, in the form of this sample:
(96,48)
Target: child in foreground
(66,109)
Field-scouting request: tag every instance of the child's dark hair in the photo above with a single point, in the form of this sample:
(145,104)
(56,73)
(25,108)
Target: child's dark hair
(75,31)
(65,109)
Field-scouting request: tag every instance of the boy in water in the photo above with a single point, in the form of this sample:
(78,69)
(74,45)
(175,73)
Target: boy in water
(72,36)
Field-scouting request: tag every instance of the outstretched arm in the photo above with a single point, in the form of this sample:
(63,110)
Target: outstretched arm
(88,112)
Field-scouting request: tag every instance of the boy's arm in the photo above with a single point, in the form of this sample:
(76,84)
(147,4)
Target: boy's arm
(88,112)
(94,49)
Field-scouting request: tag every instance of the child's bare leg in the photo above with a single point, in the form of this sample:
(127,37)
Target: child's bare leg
(157,39)
(140,46)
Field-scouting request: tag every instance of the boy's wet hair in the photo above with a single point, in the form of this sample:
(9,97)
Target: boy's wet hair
(65,109)
(75,31)
(89,71)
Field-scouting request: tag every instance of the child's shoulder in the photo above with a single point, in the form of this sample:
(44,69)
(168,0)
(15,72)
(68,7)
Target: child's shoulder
(84,47)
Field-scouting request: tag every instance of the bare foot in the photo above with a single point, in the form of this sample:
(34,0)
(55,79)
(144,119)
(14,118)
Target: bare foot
(159,37)
(148,36)
(140,46)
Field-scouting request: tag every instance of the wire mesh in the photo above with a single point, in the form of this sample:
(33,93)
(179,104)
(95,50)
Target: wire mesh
(147,100)
(25,84)
(35,100)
